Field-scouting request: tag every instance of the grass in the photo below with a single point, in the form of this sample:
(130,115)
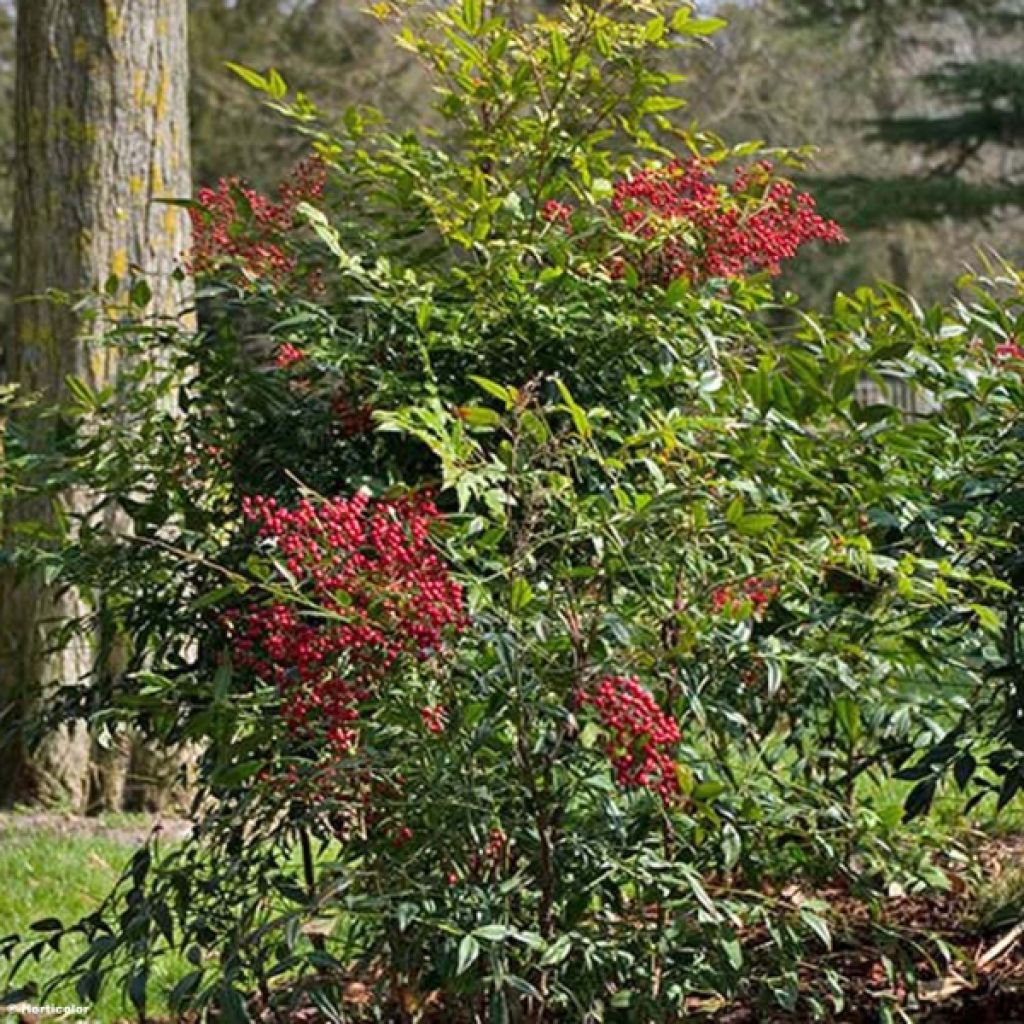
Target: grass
(48,873)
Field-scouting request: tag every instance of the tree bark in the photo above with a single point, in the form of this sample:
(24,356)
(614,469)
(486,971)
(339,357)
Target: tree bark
(102,131)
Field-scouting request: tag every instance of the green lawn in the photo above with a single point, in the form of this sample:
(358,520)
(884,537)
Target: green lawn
(50,873)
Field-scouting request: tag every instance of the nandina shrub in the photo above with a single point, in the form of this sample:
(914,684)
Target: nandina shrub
(380,598)
(243,235)
(676,222)
(640,735)
(538,615)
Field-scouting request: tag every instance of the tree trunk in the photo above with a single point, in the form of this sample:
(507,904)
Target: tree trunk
(102,131)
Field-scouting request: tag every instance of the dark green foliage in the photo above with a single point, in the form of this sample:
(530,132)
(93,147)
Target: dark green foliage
(864,203)
(679,480)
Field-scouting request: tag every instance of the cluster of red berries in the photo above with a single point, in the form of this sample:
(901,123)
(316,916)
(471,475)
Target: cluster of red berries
(494,849)
(402,836)
(491,859)
(352,417)
(757,592)
(288,355)
(1011,349)
(435,717)
(236,226)
(703,229)
(641,734)
(374,592)
(555,212)
(754,674)
(328,781)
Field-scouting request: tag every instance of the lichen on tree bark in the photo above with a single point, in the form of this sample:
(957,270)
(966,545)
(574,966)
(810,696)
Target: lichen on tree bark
(102,132)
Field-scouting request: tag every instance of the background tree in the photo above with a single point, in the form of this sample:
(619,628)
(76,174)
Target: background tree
(102,132)
(959,110)
(7,151)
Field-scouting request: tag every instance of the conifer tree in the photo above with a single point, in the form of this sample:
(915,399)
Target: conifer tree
(967,125)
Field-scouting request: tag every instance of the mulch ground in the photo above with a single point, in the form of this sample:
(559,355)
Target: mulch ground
(984,982)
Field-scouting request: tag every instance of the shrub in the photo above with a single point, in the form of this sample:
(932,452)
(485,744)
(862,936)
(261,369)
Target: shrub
(535,581)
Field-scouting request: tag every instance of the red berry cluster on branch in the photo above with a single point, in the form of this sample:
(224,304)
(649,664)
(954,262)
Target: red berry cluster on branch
(1011,349)
(641,734)
(372,593)
(351,416)
(757,592)
(435,717)
(237,227)
(490,860)
(703,229)
(555,212)
(287,355)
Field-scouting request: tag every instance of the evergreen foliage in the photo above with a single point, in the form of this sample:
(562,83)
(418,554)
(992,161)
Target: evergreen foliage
(965,128)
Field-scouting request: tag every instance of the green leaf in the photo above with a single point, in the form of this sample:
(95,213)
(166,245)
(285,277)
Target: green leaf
(988,619)
(522,986)
(141,294)
(579,416)
(469,950)
(756,523)
(325,231)
(660,104)
(535,427)
(184,989)
(215,596)
(677,290)
(47,924)
(919,799)
(250,77)
(817,925)
(137,990)
(654,30)
(701,894)
(684,22)
(559,48)
(479,416)
(473,15)
(521,596)
(557,951)
(589,736)
(963,769)
(495,390)
(84,395)
(231,775)
(848,716)
(162,917)
(276,85)
(232,1005)
(87,988)
(707,791)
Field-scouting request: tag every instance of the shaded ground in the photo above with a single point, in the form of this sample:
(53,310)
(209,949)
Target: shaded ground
(129,829)
(966,950)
